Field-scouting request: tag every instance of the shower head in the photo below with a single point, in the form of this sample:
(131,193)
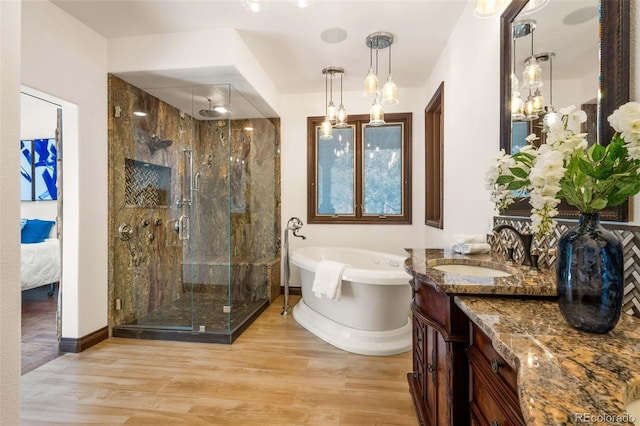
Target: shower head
(210,113)
(213,111)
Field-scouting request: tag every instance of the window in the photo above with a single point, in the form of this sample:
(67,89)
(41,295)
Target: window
(363,174)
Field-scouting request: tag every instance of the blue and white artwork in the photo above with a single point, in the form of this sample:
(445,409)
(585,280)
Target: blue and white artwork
(38,169)
(26,172)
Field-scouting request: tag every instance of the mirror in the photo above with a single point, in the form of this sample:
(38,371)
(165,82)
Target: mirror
(568,38)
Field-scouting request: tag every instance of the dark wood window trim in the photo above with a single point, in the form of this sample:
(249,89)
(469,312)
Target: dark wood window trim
(359,122)
(434,164)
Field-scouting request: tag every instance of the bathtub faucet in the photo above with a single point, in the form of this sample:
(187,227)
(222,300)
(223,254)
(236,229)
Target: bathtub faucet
(294,225)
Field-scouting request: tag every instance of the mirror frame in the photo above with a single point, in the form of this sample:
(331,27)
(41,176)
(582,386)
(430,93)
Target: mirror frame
(614,89)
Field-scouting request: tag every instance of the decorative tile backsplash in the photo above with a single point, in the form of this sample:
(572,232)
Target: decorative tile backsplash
(628,235)
(146,185)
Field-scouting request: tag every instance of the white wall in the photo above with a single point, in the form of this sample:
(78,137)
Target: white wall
(388,238)
(77,81)
(9,213)
(471,135)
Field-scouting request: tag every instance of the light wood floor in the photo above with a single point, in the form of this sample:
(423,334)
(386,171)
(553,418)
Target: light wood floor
(276,373)
(39,340)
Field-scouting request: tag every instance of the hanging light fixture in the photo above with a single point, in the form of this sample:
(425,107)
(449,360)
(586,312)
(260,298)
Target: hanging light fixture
(551,117)
(342,112)
(530,109)
(333,116)
(532,74)
(326,132)
(379,40)
(376,114)
(516,98)
(390,90)
(538,101)
(371,79)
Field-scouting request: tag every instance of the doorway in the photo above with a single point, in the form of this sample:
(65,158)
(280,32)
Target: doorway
(41,231)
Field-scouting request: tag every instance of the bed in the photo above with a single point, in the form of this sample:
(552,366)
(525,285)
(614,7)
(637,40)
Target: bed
(40,255)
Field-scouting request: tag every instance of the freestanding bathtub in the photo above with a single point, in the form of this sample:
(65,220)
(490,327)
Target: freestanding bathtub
(372,315)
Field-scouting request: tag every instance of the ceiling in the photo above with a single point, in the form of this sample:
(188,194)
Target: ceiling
(286,40)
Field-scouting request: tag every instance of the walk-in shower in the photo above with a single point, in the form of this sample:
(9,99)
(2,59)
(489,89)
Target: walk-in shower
(194,212)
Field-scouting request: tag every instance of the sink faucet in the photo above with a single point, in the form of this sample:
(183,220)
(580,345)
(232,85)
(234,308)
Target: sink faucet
(525,241)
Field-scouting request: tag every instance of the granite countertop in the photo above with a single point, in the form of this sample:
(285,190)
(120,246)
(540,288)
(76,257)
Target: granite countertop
(565,376)
(523,281)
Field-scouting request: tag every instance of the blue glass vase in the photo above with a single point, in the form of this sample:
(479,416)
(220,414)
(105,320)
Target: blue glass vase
(590,276)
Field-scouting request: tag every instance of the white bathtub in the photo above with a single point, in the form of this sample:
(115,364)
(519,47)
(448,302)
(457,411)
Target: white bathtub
(372,315)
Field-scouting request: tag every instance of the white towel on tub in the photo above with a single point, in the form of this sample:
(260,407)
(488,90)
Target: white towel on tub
(328,279)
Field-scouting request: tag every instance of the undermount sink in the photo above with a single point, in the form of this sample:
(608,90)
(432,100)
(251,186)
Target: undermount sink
(472,270)
(633,408)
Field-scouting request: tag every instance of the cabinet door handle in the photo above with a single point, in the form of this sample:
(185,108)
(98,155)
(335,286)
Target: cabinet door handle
(496,365)
(431,368)
(495,423)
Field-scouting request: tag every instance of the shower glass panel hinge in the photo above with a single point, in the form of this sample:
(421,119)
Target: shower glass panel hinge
(118,304)
(118,111)
(226,309)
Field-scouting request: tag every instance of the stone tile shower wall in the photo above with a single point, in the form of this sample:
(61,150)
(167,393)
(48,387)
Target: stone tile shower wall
(628,235)
(154,267)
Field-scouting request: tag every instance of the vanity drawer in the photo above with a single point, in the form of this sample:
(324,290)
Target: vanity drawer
(498,365)
(493,395)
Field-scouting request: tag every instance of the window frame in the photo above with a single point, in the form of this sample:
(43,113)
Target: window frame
(360,122)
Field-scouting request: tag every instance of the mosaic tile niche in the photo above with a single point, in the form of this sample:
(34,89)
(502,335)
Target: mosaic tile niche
(628,235)
(235,215)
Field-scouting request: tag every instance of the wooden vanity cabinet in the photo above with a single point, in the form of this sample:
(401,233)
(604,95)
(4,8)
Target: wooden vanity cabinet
(492,384)
(439,381)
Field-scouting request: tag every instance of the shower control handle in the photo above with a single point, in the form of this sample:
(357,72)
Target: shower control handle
(125,232)
(183,227)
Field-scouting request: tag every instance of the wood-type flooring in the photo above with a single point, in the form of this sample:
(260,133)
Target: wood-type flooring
(275,373)
(39,343)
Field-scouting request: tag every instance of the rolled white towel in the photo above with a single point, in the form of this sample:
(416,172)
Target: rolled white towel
(469,238)
(475,248)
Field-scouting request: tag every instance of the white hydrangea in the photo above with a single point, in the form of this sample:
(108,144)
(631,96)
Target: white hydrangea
(626,121)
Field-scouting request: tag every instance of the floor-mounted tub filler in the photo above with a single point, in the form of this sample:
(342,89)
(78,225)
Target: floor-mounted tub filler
(371,316)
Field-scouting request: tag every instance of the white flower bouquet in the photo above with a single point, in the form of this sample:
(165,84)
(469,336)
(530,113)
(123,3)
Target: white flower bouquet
(587,177)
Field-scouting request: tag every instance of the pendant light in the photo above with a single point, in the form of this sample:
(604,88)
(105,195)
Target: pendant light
(529,108)
(371,79)
(379,40)
(532,74)
(376,114)
(334,117)
(390,90)
(538,101)
(551,117)
(326,132)
(516,98)
(342,112)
